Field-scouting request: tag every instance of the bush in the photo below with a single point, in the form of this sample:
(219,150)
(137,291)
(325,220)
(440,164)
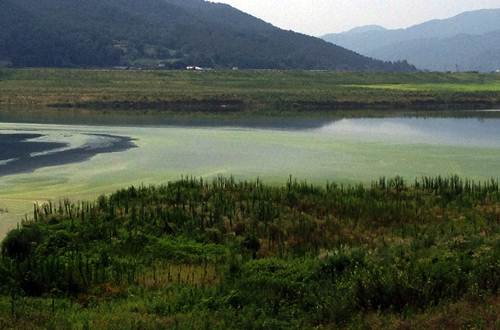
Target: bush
(21,243)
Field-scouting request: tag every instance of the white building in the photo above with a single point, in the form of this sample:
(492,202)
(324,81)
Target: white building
(194,68)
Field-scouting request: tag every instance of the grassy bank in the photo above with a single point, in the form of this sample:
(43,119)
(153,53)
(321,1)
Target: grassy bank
(234,91)
(225,254)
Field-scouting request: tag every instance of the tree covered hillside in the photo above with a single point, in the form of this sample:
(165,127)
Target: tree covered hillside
(166,33)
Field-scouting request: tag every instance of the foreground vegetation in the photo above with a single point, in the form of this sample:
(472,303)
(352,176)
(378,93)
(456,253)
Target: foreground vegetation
(226,254)
(236,91)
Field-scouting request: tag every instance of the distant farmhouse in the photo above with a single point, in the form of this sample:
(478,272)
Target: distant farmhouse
(194,68)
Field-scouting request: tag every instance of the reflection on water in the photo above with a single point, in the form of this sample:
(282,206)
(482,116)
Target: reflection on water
(288,121)
(154,119)
(449,131)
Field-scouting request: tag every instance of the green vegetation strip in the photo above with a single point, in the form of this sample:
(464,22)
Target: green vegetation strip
(245,255)
(236,91)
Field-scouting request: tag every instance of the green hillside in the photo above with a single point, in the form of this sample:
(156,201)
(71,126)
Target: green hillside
(166,33)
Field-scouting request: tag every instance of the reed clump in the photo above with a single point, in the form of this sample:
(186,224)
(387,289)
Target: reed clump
(238,254)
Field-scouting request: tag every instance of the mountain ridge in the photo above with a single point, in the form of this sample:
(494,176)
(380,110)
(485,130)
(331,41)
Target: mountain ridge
(170,33)
(412,43)
(365,28)
(457,53)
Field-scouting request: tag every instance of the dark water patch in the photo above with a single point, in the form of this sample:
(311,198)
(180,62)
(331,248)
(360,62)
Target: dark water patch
(14,146)
(17,150)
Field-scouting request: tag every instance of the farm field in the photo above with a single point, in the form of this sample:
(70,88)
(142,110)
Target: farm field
(236,91)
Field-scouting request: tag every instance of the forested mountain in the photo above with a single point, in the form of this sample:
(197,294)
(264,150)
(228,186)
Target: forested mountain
(170,33)
(468,41)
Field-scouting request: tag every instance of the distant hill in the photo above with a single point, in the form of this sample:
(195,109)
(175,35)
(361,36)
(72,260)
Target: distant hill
(366,28)
(464,52)
(166,33)
(468,41)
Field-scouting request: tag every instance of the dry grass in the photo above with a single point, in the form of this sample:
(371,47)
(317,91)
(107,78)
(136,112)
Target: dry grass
(162,275)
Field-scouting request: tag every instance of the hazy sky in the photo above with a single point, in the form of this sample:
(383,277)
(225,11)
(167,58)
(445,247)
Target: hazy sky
(318,17)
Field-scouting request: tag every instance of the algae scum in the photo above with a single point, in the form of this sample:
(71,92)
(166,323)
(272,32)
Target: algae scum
(54,161)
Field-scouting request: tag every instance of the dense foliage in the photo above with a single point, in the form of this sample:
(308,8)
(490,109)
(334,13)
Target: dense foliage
(226,254)
(169,33)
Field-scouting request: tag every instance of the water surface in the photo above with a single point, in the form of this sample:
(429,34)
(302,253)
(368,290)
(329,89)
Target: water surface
(23,153)
(318,150)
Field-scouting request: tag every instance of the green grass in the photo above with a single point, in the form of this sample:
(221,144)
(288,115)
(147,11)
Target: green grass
(491,86)
(222,254)
(247,90)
